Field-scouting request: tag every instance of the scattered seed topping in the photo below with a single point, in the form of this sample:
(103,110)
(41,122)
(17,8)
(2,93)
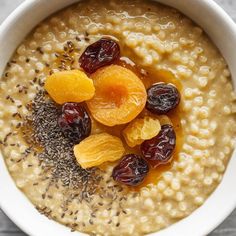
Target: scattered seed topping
(45,211)
(66,59)
(40,50)
(57,151)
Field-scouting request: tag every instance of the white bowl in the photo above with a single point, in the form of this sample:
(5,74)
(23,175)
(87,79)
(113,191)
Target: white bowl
(218,206)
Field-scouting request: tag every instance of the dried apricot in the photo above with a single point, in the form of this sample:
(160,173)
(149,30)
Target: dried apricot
(97,149)
(141,129)
(69,86)
(119,97)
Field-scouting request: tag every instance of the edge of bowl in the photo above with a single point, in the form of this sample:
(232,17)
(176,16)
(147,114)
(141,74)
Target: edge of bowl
(224,21)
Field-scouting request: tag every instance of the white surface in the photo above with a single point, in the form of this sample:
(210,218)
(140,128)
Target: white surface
(228,228)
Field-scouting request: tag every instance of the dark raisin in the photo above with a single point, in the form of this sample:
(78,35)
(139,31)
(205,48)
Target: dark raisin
(74,122)
(101,53)
(159,150)
(162,98)
(131,170)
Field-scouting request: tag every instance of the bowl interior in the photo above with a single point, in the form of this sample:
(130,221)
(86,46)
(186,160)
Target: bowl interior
(222,31)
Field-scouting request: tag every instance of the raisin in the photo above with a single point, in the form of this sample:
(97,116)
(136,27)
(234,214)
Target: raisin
(74,122)
(159,150)
(99,54)
(131,170)
(162,98)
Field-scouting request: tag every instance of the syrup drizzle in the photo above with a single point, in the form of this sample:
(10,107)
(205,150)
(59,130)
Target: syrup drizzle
(150,77)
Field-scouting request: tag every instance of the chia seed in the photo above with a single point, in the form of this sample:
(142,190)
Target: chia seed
(57,152)
(39,49)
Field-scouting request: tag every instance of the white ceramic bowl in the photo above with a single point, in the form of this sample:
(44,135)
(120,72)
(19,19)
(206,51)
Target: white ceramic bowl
(218,206)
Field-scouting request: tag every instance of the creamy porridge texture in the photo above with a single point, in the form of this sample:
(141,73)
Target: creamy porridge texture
(156,38)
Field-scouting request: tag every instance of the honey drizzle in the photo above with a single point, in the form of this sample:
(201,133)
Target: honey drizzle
(150,77)
(155,173)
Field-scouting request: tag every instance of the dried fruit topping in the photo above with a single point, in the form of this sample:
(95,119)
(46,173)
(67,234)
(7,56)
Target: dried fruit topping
(131,170)
(164,120)
(159,150)
(74,122)
(97,149)
(139,130)
(69,86)
(101,53)
(162,98)
(120,96)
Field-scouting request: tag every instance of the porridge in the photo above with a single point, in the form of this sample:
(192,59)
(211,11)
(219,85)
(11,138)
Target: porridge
(131,164)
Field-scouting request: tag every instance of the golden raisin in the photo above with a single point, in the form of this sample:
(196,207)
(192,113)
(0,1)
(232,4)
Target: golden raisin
(119,97)
(141,129)
(164,120)
(69,86)
(97,149)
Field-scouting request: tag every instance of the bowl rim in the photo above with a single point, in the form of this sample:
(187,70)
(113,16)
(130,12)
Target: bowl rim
(224,17)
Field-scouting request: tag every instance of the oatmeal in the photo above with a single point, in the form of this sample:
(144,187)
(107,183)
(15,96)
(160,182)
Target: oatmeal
(157,44)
